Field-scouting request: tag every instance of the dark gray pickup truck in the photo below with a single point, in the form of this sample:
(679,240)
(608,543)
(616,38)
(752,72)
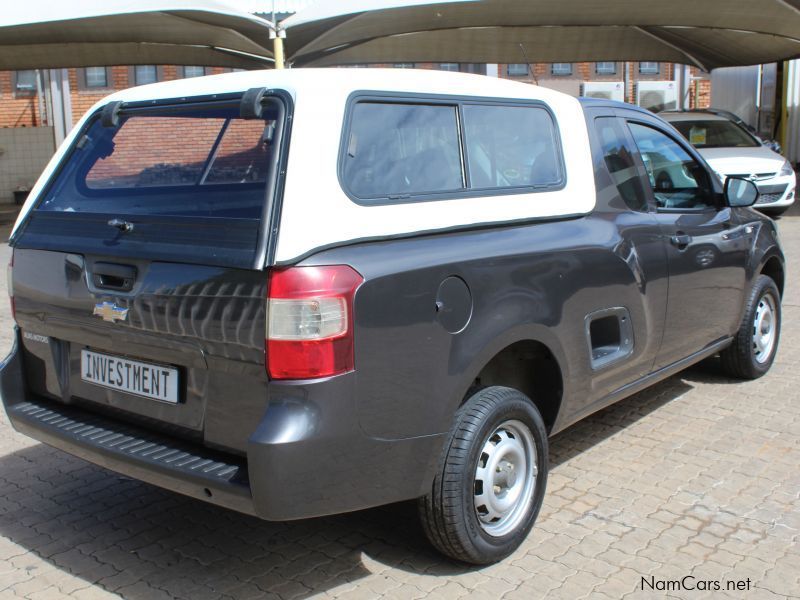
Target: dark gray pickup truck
(314,291)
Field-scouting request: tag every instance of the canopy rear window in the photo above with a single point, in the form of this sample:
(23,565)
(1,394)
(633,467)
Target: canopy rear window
(191,182)
(194,162)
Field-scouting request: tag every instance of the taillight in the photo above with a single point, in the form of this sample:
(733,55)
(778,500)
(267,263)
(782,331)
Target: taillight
(310,321)
(10,284)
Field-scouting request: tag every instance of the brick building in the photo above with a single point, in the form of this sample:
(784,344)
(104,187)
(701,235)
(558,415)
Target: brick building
(20,105)
(571,78)
(641,77)
(26,146)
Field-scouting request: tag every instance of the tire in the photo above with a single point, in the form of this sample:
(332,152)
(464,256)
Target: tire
(774,212)
(495,426)
(751,356)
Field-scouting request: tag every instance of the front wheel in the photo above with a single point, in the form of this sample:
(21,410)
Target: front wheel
(491,479)
(753,349)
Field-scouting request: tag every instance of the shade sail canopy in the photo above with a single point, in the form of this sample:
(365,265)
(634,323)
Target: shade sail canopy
(705,33)
(41,34)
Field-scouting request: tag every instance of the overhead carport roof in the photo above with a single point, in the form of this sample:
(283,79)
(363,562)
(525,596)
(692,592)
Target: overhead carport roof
(44,34)
(705,33)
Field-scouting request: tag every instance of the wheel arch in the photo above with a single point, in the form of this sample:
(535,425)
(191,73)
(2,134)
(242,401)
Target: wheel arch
(773,268)
(531,366)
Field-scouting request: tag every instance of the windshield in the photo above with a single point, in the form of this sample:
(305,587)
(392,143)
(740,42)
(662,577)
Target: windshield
(193,162)
(715,134)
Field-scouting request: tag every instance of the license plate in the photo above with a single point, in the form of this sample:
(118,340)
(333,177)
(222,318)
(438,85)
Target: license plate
(131,376)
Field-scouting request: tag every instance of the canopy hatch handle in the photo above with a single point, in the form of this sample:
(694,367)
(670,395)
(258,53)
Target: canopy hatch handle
(252,104)
(110,115)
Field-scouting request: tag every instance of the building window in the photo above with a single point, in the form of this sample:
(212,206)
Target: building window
(561,69)
(404,65)
(25,83)
(518,70)
(453,67)
(143,74)
(649,68)
(96,77)
(475,68)
(605,68)
(194,71)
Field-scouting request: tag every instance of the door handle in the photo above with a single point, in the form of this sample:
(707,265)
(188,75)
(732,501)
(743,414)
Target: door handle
(681,240)
(109,276)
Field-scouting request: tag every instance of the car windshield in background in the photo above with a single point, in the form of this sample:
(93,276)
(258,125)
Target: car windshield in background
(192,162)
(715,134)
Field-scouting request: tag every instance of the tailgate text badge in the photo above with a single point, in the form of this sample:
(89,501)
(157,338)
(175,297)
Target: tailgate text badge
(110,312)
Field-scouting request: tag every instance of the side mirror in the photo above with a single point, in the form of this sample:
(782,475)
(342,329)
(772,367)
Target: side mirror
(740,192)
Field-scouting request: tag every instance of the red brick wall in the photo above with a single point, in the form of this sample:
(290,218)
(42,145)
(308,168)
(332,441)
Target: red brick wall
(143,143)
(16,110)
(700,93)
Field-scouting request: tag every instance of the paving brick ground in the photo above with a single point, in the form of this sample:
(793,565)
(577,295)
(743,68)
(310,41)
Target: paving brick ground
(697,476)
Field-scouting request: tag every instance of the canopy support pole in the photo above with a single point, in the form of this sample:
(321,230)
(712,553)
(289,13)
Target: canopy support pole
(280,61)
(277,47)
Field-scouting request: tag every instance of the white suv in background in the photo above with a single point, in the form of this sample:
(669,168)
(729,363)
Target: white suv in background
(731,150)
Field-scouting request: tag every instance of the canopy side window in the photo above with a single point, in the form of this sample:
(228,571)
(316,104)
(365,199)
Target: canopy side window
(441,148)
(512,147)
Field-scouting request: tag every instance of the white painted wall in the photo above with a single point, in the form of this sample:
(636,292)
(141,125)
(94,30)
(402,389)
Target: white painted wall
(736,89)
(792,145)
(24,153)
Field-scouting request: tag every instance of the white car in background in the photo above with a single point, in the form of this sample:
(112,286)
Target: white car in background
(731,150)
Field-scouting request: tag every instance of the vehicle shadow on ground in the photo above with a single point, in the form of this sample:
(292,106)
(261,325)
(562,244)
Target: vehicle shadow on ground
(143,543)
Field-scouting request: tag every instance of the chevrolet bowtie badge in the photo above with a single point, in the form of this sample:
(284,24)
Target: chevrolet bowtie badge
(110,312)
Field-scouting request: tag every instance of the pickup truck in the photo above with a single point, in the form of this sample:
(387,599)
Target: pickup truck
(304,292)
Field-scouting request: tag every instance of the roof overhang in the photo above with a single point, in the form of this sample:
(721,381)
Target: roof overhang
(37,34)
(707,34)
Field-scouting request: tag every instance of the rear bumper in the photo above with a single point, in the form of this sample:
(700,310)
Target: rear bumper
(162,461)
(307,457)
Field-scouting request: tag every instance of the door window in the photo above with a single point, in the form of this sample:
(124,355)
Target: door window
(678,181)
(619,158)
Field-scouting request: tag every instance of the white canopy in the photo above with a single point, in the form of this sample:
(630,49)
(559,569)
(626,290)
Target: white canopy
(705,33)
(45,34)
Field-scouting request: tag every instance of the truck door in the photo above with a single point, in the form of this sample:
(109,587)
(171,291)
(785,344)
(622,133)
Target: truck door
(706,246)
(637,308)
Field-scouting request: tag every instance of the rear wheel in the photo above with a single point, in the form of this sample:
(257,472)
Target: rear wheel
(492,478)
(753,350)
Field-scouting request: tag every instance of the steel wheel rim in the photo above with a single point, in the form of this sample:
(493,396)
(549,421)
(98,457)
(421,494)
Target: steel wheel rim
(505,478)
(765,328)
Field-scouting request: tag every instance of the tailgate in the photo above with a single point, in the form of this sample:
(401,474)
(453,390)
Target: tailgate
(204,324)
(138,276)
